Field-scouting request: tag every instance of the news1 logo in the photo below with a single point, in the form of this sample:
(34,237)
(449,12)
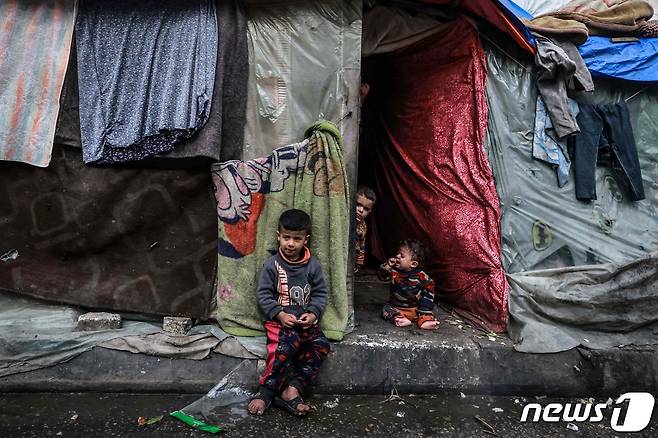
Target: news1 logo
(638,412)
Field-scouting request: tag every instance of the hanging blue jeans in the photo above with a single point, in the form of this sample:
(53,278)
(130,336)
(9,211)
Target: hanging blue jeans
(606,138)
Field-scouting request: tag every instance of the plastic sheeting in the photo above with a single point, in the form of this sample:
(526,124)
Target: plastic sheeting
(632,61)
(539,7)
(225,405)
(197,344)
(35,335)
(431,172)
(599,306)
(544,226)
(304,65)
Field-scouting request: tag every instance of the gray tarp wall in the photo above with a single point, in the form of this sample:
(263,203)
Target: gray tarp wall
(583,300)
(567,232)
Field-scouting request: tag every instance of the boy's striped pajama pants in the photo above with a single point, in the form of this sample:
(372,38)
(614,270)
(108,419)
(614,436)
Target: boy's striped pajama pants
(294,357)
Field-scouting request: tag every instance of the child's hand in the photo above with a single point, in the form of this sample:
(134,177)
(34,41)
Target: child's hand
(392,261)
(286,319)
(307,319)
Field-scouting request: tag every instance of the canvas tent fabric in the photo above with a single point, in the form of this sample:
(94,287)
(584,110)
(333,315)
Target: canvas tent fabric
(251,195)
(34,50)
(544,226)
(430,169)
(595,306)
(387,29)
(500,13)
(139,240)
(150,93)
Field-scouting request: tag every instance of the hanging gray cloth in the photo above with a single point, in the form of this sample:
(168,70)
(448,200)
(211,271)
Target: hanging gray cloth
(224,132)
(146,73)
(560,69)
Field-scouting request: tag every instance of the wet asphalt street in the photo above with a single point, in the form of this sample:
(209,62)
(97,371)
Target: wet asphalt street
(116,415)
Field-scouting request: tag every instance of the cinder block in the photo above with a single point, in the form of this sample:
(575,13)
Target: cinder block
(92,321)
(176,325)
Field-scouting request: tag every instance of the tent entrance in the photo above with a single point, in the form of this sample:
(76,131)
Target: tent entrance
(421,150)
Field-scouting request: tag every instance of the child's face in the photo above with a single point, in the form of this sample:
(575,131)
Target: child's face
(404,260)
(363,206)
(291,242)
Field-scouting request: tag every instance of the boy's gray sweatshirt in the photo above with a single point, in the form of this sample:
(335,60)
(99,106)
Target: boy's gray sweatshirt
(295,288)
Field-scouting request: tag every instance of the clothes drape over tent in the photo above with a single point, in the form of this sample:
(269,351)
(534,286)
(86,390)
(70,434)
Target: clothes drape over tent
(155,86)
(224,131)
(632,61)
(432,176)
(34,50)
(546,227)
(252,194)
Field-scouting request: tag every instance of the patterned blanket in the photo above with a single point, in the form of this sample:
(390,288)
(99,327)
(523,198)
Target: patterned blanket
(250,197)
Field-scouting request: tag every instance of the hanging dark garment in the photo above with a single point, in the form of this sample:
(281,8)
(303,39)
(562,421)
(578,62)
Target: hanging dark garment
(606,138)
(146,74)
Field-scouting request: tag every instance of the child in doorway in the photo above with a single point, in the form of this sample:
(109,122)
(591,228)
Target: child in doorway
(292,295)
(365,202)
(411,296)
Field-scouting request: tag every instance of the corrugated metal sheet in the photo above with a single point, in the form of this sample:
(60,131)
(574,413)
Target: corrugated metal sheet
(35,41)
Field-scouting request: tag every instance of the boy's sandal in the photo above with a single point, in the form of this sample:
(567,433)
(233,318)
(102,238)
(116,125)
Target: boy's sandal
(268,402)
(290,406)
(426,318)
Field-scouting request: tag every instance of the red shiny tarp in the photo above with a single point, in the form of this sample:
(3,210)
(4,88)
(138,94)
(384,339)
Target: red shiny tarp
(431,171)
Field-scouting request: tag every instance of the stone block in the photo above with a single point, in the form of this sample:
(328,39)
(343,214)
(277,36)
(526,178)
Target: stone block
(176,325)
(92,321)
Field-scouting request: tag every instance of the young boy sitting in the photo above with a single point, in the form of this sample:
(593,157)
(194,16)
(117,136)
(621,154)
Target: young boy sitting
(412,290)
(365,202)
(291,295)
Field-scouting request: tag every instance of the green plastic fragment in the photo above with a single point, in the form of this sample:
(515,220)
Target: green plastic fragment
(197,424)
(153,420)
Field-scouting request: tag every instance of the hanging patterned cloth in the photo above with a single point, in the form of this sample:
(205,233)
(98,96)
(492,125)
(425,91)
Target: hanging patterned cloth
(146,74)
(252,194)
(34,49)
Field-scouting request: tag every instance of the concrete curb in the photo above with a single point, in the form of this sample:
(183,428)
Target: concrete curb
(369,364)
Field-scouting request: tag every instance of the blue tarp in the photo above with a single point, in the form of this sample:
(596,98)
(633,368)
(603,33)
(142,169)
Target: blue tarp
(516,13)
(516,9)
(633,61)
